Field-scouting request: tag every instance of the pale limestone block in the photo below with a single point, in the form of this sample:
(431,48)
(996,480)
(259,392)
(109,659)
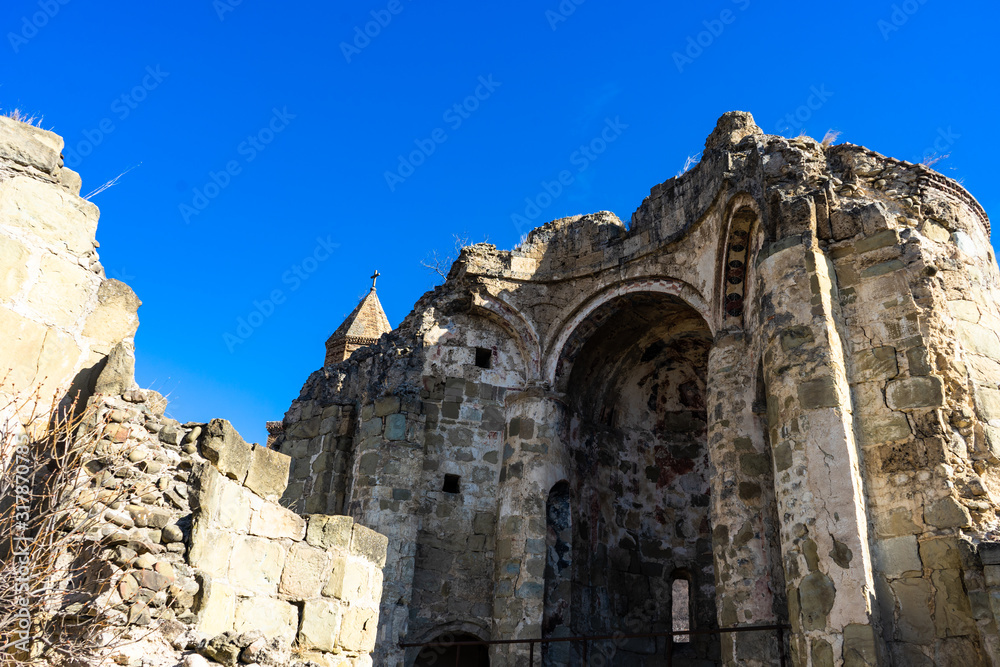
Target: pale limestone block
(116,315)
(50,213)
(218,608)
(62,291)
(13,272)
(268,473)
(320,626)
(348,580)
(330,531)
(211,550)
(277,522)
(357,631)
(234,507)
(307,569)
(256,564)
(30,146)
(275,618)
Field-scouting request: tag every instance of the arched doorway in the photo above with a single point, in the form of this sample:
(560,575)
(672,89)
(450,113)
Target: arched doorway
(634,376)
(453,656)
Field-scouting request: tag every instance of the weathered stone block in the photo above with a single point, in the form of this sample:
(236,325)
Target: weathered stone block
(368,544)
(816,596)
(256,565)
(915,392)
(386,405)
(274,618)
(395,427)
(268,472)
(913,616)
(952,612)
(819,393)
(47,212)
(348,580)
(234,507)
(329,532)
(14,273)
(979,339)
(277,522)
(226,449)
(875,364)
(116,315)
(898,556)
(357,630)
(859,646)
(211,549)
(941,553)
(217,609)
(947,513)
(61,291)
(320,626)
(30,146)
(989,553)
(306,571)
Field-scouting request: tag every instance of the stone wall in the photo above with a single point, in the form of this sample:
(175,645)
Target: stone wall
(315,581)
(59,313)
(779,383)
(199,547)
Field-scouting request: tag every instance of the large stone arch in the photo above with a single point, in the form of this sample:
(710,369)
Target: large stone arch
(578,313)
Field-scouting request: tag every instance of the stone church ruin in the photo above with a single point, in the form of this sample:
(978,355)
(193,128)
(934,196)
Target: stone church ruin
(771,400)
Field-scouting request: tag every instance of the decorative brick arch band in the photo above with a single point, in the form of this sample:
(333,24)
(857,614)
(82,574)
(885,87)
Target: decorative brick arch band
(580,312)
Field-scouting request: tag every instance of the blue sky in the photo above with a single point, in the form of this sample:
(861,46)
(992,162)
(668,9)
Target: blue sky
(280,154)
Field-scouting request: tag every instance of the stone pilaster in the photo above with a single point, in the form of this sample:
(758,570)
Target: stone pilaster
(824,536)
(533,461)
(749,581)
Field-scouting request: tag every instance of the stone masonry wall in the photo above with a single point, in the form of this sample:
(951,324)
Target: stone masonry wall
(314,581)
(200,549)
(60,315)
(849,305)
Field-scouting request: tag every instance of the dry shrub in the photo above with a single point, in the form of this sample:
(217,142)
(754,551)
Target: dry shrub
(55,587)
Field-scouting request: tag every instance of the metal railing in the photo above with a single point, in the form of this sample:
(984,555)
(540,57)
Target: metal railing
(780,629)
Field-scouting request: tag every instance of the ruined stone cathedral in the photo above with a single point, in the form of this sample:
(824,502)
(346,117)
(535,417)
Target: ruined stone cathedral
(772,398)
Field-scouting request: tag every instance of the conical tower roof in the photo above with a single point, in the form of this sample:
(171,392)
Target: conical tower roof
(364,326)
(367,321)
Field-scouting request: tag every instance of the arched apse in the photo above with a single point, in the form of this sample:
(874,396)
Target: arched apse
(634,375)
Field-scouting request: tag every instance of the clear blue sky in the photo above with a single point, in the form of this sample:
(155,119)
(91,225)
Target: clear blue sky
(300,131)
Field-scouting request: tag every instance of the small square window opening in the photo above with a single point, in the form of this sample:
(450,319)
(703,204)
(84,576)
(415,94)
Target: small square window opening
(484,357)
(452,484)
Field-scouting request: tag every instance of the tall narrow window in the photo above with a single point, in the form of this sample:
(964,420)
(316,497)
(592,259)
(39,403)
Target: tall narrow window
(680,593)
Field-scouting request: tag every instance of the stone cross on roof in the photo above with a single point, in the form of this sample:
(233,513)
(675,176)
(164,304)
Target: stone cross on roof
(374,277)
